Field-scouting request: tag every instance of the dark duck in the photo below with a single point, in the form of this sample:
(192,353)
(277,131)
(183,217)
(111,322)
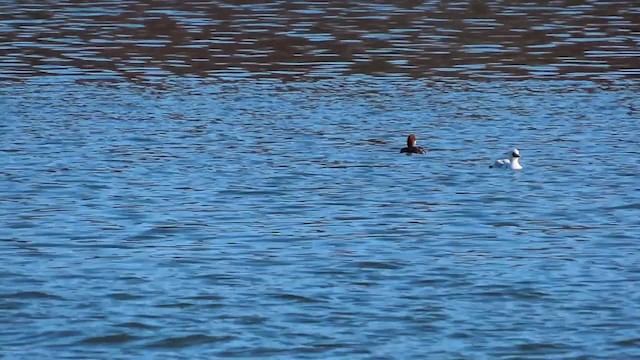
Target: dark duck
(411,146)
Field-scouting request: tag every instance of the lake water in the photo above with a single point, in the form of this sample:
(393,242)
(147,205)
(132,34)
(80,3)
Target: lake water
(224,180)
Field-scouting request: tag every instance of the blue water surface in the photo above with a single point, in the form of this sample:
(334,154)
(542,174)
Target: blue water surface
(200,218)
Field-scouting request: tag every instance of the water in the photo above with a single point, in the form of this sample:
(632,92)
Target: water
(238,208)
(479,40)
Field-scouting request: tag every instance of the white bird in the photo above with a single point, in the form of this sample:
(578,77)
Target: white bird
(513,163)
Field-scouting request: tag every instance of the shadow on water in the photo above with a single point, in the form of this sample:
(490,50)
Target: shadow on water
(141,40)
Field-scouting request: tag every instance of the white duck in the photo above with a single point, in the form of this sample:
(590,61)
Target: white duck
(513,163)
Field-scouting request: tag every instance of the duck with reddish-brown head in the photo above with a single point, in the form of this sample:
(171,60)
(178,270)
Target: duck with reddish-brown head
(411,146)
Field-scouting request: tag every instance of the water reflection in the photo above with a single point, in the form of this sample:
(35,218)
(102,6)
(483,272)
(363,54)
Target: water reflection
(568,39)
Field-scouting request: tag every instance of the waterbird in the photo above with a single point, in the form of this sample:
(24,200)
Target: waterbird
(513,163)
(411,146)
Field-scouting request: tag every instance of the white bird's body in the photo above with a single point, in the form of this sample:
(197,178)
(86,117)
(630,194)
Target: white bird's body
(513,163)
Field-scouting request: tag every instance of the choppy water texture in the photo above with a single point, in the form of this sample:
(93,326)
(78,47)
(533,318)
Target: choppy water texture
(220,180)
(472,39)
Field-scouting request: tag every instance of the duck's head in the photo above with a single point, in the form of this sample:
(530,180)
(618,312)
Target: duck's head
(411,141)
(515,153)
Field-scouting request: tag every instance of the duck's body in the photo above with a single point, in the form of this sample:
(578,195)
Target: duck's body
(411,146)
(413,150)
(513,163)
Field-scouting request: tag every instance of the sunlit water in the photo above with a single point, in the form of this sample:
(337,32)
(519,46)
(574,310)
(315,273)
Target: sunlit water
(260,212)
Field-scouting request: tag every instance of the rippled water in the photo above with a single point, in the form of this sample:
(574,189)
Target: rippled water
(141,40)
(193,207)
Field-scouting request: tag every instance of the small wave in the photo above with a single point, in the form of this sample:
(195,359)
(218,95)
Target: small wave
(136,325)
(175,305)
(377,265)
(108,339)
(32,295)
(125,296)
(189,340)
(632,342)
(539,346)
(297,298)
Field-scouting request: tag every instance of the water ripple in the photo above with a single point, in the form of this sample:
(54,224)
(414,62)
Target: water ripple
(199,218)
(143,42)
